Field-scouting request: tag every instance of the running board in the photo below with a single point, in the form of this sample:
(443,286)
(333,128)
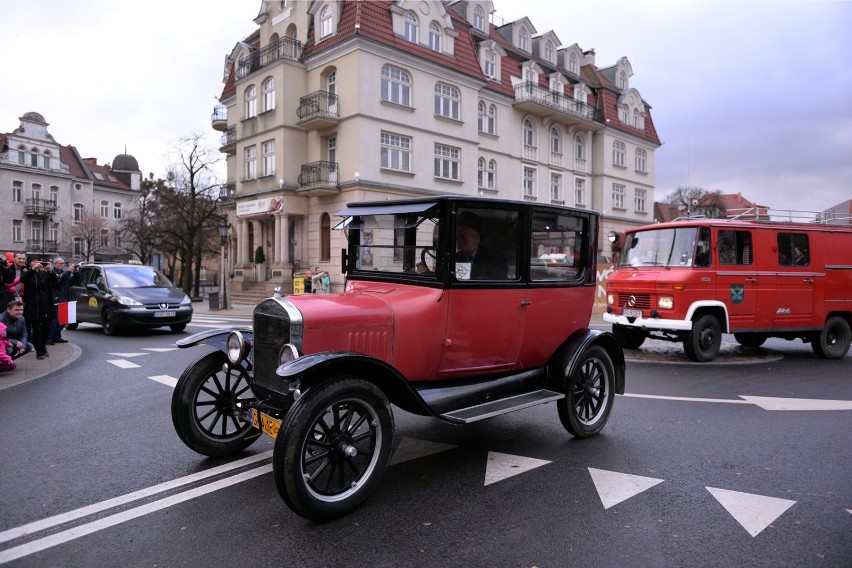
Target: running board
(502,406)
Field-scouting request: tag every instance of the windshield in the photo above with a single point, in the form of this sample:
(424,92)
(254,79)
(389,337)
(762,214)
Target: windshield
(660,247)
(136,277)
(395,243)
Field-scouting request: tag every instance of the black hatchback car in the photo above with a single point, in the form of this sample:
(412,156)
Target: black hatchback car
(127,297)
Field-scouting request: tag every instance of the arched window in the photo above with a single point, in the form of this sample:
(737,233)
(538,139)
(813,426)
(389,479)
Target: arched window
(572,63)
(479,18)
(34,157)
(579,148)
(22,156)
(396,86)
(251,101)
(480,114)
(635,118)
(269,94)
(529,133)
(622,80)
(555,141)
(480,172)
(491,180)
(46,158)
(446,101)
(410,27)
(491,121)
(618,150)
(524,39)
(548,50)
(434,36)
(641,160)
(325,237)
(326,24)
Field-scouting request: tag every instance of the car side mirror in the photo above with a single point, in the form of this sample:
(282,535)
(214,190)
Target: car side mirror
(92,287)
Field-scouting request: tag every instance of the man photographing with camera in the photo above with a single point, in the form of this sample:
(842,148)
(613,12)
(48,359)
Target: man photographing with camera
(37,279)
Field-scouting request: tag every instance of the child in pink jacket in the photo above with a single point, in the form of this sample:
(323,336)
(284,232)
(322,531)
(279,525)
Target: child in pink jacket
(6,363)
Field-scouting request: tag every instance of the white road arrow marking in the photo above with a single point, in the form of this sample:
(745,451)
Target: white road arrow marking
(502,466)
(128,355)
(123,363)
(165,379)
(411,449)
(614,487)
(770,403)
(753,512)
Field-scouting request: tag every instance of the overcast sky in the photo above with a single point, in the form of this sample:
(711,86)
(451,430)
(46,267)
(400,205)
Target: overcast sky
(751,97)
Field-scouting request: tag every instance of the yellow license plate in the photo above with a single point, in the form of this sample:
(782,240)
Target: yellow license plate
(267,424)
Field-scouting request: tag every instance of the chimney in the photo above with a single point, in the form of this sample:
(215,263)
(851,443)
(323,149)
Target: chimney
(91,161)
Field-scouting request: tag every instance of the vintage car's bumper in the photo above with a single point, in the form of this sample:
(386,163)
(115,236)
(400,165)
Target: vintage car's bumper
(649,323)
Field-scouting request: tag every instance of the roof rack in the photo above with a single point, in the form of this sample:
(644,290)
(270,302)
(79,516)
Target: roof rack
(766,215)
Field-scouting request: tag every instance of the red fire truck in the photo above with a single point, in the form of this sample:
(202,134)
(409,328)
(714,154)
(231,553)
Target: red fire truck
(692,280)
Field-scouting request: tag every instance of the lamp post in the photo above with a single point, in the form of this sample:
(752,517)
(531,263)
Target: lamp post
(158,242)
(224,228)
(149,246)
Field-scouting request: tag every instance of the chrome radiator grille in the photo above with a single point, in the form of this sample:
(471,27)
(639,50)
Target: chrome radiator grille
(271,331)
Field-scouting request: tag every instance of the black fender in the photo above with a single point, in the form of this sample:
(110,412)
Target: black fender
(565,359)
(218,338)
(313,369)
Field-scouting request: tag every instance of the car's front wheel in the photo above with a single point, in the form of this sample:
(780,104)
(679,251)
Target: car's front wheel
(832,342)
(333,448)
(590,391)
(702,344)
(108,322)
(205,403)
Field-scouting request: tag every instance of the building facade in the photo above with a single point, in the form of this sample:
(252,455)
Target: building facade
(51,191)
(331,101)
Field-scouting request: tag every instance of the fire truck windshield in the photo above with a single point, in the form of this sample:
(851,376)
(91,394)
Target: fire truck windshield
(660,247)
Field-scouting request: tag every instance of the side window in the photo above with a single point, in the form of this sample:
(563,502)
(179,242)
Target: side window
(86,276)
(793,249)
(702,249)
(735,248)
(557,246)
(486,244)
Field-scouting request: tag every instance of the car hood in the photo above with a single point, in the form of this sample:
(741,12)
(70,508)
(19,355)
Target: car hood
(152,295)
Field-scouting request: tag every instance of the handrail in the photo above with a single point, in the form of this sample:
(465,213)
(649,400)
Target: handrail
(767,215)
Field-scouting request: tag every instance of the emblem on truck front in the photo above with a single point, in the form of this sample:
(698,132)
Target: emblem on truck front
(737,293)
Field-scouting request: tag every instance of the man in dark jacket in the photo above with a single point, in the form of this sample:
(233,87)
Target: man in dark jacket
(61,293)
(16,329)
(37,279)
(474,261)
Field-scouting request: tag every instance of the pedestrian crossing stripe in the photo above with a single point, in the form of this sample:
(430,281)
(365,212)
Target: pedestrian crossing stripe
(123,363)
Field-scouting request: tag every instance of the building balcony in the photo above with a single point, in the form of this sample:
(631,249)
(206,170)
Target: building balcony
(318,178)
(219,118)
(227,192)
(38,245)
(541,101)
(228,141)
(40,207)
(319,110)
(283,48)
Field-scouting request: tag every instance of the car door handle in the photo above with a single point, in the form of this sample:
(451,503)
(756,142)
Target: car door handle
(526,303)
(808,280)
(751,280)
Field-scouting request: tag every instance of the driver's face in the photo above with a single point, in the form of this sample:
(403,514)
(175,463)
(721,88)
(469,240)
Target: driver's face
(467,240)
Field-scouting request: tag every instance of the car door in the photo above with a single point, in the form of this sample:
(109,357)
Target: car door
(88,308)
(737,277)
(794,289)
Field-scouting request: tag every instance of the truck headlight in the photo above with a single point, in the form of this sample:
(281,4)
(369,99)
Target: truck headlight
(610,299)
(665,302)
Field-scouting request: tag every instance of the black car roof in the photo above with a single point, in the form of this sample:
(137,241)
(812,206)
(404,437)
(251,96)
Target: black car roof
(420,204)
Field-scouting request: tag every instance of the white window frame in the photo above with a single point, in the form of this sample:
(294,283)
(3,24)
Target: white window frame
(251,101)
(556,188)
(490,64)
(268,149)
(618,151)
(479,18)
(17,230)
(396,85)
(117,210)
(268,88)
(435,37)
(326,22)
(36,228)
(105,238)
(523,39)
(548,51)
(77,213)
(580,192)
(618,191)
(447,101)
(250,162)
(529,182)
(410,31)
(640,199)
(529,133)
(491,176)
(641,160)
(447,162)
(395,152)
(105,208)
(17,191)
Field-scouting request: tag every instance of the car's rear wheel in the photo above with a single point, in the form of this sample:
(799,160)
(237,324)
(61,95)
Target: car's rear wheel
(589,394)
(702,344)
(177,327)
(333,448)
(108,322)
(750,339)
(833,340)
(205,403)
(629,337)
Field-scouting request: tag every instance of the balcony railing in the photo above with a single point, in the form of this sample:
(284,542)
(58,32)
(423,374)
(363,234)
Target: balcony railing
(38,245)
(219,118)
(227,192)
(283,48)
(319,109)
(322,174)
(37,206)
(228,139)
(529,92)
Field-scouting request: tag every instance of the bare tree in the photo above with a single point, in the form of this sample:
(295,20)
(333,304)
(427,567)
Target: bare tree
(89,230)
(697,200)
(138,227)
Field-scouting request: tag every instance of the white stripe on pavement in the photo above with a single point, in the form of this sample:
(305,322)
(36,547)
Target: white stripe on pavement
(167,380)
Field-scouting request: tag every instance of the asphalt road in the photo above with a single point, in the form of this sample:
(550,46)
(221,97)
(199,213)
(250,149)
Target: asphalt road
(700,465)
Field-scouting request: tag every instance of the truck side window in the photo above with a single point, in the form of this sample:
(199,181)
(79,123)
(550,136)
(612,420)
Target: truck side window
(735,247)
(702,249)
(793,249)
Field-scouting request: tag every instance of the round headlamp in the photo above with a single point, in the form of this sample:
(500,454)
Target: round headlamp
(237,347)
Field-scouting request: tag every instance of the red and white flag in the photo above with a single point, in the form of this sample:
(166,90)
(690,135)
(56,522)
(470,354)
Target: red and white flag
(66,312)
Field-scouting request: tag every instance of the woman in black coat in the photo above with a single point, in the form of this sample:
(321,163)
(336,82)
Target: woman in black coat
(36,280)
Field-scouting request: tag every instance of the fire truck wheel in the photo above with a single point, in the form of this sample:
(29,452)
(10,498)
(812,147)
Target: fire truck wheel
(703,342)
(750,339)
(589,393)
(833,341)
(629,337)
(204,407)
(334,447)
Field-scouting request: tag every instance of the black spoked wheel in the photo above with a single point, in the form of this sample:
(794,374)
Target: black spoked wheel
(750,339)
(333,449)
(204,407)
(589,396)
(108,323)
(833,340)
(629,337)
(702,344)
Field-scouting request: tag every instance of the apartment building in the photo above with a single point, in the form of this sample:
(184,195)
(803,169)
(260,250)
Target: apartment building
(329,102)
(50,189)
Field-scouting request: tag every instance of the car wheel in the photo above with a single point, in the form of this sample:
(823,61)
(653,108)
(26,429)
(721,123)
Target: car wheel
(750,339)
(629,337)
(108,323)
(71,326)
(177,327)
(204,407)
(833,340)
(703,342)
(589,394)
(333,448)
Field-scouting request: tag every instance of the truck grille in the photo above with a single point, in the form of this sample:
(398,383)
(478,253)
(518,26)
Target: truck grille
(271,331)
(640,301)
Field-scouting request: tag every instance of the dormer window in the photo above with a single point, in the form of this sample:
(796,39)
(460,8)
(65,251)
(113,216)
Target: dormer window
(490,64)
(435,37)
(326,23)
(572,63)
(622,80)
(548,51)
(479,18)
(523,39)
(635,118)
(410,27)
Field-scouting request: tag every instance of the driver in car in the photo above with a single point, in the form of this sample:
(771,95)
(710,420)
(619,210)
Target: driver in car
(485,263)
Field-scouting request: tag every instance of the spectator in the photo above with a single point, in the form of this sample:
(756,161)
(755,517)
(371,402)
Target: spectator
(16,329)
(10,272)
(484,263)
(37,279)
(308,282)
(61,293)
(6,363)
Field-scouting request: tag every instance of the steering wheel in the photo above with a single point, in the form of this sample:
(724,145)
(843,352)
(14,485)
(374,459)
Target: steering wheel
(428,253)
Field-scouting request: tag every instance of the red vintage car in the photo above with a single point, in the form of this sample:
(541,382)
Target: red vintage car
(456,308)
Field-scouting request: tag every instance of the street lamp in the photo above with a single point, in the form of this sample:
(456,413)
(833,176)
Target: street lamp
(158,242)
(149,246)
(224,228)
